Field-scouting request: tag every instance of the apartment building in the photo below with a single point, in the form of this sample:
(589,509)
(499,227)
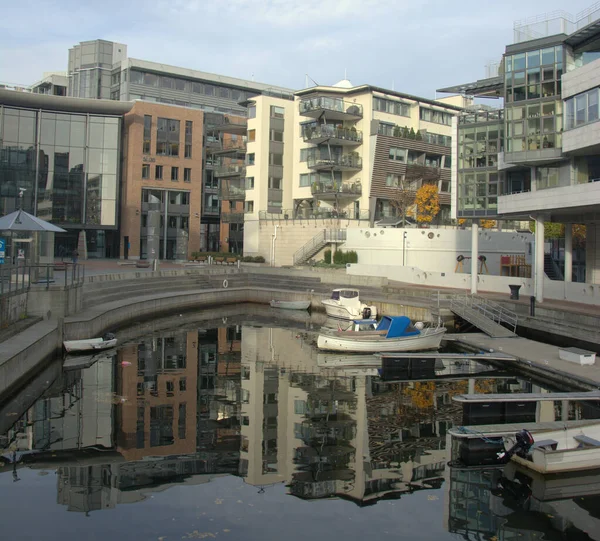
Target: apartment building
(536,157)
(339,156)
(162,181)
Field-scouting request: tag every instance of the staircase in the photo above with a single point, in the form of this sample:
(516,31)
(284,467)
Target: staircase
(551,269)
(317,243)
(484,314)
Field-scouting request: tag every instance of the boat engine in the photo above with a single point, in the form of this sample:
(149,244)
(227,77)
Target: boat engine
(108,336)
(521,446)
(366,313)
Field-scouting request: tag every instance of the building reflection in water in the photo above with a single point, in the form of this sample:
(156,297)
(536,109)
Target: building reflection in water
(184,407)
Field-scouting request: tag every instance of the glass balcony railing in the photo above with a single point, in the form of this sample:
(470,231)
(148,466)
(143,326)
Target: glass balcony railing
(336,106)
(340,162)
(335,188)
(234,191)
(230,170)
(317,134)
(232,217)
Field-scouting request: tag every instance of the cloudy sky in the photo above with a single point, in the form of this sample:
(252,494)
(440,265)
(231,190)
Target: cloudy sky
(414,46)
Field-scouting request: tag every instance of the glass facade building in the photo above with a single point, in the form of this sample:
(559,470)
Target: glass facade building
(65,164)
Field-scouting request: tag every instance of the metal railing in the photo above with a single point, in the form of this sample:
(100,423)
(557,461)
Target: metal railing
(230,169)
(16,279)
(336,105)
(320,187)
(314,214)
(317,242)
(352,161)
(329,131)
(489,309)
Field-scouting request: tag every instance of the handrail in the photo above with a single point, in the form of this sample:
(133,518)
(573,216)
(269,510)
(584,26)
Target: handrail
(490,309)
(318,241)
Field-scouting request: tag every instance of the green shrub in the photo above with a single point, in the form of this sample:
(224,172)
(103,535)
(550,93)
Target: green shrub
(327,256)
(247,259)
(259,259)
(338,257)
(351,257)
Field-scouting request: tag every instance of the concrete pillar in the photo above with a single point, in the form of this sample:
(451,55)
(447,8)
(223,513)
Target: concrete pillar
(592,254)
(471,385)
(568,252)
(539,260)
(474,256)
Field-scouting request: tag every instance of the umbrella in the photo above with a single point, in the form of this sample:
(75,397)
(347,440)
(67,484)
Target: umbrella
(23,221)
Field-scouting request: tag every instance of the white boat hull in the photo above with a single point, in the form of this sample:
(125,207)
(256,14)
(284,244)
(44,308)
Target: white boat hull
(291,305)
(374,343)
(92,344)
(346,312)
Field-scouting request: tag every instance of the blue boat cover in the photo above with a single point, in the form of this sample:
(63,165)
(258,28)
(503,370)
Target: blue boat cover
(397,326)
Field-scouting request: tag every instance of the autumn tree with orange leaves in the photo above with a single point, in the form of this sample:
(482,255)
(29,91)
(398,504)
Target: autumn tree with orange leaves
(427,200)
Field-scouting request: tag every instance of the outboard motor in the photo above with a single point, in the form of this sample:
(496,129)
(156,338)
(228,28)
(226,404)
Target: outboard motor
(521,447)
(366,313)
(108,336)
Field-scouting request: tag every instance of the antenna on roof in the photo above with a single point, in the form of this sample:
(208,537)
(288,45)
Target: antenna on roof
(309,77)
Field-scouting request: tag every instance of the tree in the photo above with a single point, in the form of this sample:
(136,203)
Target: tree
(403,197)
(553,230)
(428,203)
(488,224)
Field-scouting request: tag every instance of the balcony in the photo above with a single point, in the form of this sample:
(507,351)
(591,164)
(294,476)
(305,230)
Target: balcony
(328,133)
(230,170)
(331,108)
(233,190)
(211,188)
(231,124)
(211,211)
(232,217)
(341,162)
(335,190)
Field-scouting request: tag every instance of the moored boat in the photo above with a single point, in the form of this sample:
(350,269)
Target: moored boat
(346,304)
(80,362)
(555,451)
(395,334)
(290,305)
(108,341)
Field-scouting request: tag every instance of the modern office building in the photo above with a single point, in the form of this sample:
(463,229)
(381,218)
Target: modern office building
(340,156)
(53,83)
(537,157)
(60,160)
(162,181)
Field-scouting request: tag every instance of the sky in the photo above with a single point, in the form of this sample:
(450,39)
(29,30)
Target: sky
(411,46)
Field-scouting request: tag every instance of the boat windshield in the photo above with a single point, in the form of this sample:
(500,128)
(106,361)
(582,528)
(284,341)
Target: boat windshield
(348,293)
(335,295)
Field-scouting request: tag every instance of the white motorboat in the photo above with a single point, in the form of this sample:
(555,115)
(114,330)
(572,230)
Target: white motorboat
(108,341)
(555,451)
(346,304)
(393,333)
(290,305)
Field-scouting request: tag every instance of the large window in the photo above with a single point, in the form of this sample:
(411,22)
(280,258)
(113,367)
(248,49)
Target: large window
(547,177)
(275,159)
(167,137)
(277,112)
(582,109)
(188,138)
(275,183)
(398,154)
(433,115)
(147,133)
(392,107)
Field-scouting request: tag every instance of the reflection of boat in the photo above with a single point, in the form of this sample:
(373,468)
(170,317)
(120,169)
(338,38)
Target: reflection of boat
(290,305)
(395,334)
(108,341)
(334,360)
(345,304)
(556,451)
(561,486)
(76,362)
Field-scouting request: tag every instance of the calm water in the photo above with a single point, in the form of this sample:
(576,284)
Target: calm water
(241,430)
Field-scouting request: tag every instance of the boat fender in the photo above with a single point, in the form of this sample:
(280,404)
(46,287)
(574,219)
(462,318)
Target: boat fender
(419,325)
(225,284)
(366,314)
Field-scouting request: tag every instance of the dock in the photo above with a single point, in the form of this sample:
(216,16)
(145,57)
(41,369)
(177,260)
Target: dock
(525,397)
(459,356)
(499,430)
(534,357)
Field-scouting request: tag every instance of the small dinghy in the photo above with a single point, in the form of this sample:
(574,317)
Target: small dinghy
(109,340)
(290,305)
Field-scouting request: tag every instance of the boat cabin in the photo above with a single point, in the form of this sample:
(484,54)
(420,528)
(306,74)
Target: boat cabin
(397,326)
(363,325)
(344,294)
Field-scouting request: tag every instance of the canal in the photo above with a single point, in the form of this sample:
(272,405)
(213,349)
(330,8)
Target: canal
(237,428)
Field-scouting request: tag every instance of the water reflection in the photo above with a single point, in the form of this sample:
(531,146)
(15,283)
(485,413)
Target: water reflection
(185,407)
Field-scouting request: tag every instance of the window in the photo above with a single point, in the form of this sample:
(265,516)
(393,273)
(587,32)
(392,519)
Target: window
(174,173)
(250,158)
(249,183)
(277,112)
(275,183)
(188,139)
(187,175)
(275,159)
(277,135)
(158,172)
(147,133)
(547,177)
(252,111)
(167,137)
(304,154)
(582,109)
(391,106)
(251,136)
(394,181)
(305,180)
(145,171)
(248,206)
(209,90)
(435,116)
(398,154)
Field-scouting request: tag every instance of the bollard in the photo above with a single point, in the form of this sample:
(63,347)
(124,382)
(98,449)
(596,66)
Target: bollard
(532,306)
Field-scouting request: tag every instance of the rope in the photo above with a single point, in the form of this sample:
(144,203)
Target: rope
(465,430)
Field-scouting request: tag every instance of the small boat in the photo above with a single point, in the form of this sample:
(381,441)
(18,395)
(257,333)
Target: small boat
(109,340)
(335,360)
(346,304)
(555,451)
(291,305)
(393,333)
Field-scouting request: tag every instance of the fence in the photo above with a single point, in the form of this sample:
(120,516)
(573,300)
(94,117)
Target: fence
(15,279)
